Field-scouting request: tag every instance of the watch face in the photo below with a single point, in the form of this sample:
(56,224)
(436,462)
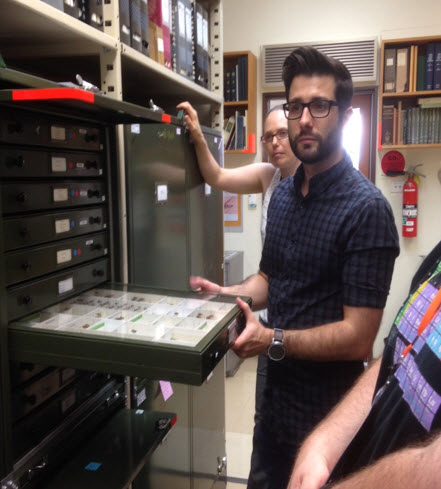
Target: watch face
(276,351)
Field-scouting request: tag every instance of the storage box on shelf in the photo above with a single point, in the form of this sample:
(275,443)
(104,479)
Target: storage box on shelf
(40,39)
(410,99)
(240,102)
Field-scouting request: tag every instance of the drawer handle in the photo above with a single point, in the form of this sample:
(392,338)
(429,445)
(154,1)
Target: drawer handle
(91,138)
(24,233)
(37,468)
(32,399)
(94,220)
(91,164)
(26,266)
(19,161)
(27,299)
(162,423)
(93,193)
(22,197)
(15,127)
(98,273)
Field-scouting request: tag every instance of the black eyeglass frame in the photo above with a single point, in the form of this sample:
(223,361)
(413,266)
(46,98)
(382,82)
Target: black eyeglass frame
(276,134)
(332,103)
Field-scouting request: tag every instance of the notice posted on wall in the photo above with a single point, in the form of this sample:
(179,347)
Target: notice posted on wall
(232,210)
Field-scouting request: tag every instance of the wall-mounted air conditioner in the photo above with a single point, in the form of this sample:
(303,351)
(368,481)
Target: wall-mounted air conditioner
(359,56)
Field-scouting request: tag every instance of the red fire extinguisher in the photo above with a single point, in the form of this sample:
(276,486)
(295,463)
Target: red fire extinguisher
(410,203)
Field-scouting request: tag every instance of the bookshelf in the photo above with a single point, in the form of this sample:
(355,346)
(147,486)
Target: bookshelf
(410,93)
(39,39)
(240,79)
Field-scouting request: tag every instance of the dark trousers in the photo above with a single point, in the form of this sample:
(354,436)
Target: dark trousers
(270,466)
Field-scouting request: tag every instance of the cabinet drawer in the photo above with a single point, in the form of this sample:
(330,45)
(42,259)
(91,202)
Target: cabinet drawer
(44,228)
(34,296)
(19,162)
(33,262)
(130,330)
(22,129)
(23,197)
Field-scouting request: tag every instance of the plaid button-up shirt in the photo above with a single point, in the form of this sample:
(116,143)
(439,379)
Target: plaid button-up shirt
(336,246)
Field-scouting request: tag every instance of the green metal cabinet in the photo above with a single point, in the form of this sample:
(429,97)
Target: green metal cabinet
(169,239)
(175,219)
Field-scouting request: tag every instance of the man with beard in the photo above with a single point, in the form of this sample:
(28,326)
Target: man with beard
(325,271)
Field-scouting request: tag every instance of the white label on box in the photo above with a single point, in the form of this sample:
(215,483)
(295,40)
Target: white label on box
(207,189)
(58,133)
(64,256)
(178,131)
(89,242)
(161,45)
(83,222)
(389,62)
(135,128)
(181,17)
(199,28)
(165,4)
(205,34)
(65,285)
(188,24)
(58,164)
(83,193)
(60,194)
(62,226)
(401,58)
(79,165)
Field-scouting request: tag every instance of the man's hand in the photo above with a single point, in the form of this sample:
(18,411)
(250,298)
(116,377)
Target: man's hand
(200,284)
(255,338)
(310,472)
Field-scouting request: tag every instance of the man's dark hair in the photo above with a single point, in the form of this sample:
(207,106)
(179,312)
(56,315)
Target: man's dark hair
(308,61)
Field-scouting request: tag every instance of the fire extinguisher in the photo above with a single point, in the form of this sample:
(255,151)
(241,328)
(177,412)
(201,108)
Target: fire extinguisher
(410,202)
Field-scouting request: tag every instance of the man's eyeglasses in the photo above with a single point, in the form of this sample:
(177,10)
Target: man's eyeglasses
(317,108)
(268,138)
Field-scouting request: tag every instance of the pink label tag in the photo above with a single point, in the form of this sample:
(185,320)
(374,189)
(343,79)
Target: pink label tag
(166,389)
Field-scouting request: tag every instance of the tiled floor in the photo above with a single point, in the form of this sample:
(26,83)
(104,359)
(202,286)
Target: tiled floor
(239,421)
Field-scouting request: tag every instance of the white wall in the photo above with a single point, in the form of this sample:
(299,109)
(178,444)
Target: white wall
(249,24)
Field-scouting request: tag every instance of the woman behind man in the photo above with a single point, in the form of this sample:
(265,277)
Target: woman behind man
(251,179)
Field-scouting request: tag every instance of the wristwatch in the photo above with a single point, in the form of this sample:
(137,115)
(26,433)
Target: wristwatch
(276,350)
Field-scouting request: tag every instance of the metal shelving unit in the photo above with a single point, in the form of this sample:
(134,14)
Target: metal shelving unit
(38,39)
(34,33)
